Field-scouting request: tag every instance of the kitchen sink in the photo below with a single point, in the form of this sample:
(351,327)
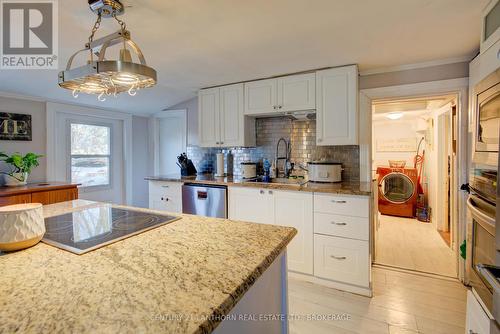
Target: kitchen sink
(280,180)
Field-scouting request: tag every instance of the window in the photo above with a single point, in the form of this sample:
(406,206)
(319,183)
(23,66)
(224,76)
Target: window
(90,154)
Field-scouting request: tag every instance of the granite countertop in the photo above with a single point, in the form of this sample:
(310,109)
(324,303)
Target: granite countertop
(348,188)
(176,278)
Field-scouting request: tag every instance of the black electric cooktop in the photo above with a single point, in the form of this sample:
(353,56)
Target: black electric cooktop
(90,228)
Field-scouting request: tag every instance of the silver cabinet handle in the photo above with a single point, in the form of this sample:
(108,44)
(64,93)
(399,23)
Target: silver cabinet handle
(338,257)
(221,142)
(320,140)
(165,186)
(270,192)
(279,107)
(472,332)
(262,192)
(339,202)
(339,224)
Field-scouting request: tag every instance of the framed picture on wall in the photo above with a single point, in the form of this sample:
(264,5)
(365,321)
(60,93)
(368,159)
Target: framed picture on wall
(15,126)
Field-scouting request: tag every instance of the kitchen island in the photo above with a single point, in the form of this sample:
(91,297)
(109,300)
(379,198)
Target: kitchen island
(194,275)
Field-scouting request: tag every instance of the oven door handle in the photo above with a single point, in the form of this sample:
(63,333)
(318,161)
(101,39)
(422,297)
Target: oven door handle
(480,215)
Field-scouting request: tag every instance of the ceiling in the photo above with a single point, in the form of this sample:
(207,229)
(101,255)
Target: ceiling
(411,108)
(194,44)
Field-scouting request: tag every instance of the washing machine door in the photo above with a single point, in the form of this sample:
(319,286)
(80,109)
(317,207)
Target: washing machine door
(396,188)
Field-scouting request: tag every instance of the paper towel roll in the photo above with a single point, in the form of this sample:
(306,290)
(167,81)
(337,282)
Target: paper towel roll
(220,164)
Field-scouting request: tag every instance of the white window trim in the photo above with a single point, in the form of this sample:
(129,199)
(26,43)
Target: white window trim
(53,109)
(109,185)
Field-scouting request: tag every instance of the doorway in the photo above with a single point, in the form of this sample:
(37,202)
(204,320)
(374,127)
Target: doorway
(413,165)
(170,140)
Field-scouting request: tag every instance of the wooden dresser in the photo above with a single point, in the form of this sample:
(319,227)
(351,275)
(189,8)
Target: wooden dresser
(45,193)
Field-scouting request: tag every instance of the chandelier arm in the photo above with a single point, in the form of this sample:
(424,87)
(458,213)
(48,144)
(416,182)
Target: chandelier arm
(70,60)
(132,45)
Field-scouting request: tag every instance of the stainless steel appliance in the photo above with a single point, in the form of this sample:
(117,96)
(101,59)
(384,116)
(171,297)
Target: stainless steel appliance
(94,227)
(324,171)
(483,247)
(204,200)
(248,170)
(487,118)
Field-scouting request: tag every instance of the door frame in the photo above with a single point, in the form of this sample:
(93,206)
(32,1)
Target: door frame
(154,137)
(459,87)
(52,111)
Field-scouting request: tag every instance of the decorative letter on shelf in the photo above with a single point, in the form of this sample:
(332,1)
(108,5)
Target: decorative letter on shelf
(15,126)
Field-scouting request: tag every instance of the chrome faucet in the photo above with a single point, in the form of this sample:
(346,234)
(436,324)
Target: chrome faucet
(286,158)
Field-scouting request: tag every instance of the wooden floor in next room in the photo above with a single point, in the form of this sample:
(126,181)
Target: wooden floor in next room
(410,244)
(403,303)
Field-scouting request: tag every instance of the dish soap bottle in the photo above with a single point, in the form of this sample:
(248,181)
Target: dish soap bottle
(267,171)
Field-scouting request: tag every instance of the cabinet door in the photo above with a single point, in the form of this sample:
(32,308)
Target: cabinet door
(208,127)
(337,106)
(343,260)
(54,196)
(15,199)
(297,92)
(261,97)
(477,321)
(251,205)
(295,209)
(231,116)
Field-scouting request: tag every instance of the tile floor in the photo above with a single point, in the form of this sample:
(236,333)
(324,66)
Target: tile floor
(403,303)
(410,244)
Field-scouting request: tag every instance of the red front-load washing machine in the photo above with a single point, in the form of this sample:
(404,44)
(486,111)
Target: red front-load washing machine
(397,191)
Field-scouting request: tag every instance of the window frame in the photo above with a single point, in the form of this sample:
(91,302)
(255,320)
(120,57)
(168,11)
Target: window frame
(70,156)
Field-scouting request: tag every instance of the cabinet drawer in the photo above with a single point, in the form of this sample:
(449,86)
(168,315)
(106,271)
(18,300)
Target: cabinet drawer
(165,188)
(342,260)
(342,205)
(165,203)
(341,226)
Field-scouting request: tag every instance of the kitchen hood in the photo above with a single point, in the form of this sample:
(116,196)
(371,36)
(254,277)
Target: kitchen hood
(302,115)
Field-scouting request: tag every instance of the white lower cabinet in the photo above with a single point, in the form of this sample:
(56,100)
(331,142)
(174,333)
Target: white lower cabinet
(341,259)
(332,244)
(165,196)
(294,208)
(279,207)
(477,321)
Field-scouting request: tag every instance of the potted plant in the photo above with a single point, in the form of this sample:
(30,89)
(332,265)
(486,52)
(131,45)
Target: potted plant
(21,167)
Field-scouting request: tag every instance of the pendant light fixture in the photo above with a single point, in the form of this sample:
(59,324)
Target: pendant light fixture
(101,76)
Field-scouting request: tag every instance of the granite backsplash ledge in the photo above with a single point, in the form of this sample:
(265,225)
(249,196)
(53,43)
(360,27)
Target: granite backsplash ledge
(302,135)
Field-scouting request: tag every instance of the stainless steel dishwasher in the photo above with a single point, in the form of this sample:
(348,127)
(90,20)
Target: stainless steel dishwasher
(204,200)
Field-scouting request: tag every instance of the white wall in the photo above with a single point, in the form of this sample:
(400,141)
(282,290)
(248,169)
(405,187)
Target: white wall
(38,123)
(431,175)
(141,157)
(192,119)
(142,162)
(394,129)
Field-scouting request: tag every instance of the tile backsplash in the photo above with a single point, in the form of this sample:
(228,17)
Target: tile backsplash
(301,134)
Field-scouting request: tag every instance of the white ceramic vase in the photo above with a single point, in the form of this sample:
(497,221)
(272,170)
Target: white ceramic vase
(16,179)
(21,226)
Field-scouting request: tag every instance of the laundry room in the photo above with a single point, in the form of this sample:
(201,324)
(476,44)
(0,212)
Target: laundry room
(414,166)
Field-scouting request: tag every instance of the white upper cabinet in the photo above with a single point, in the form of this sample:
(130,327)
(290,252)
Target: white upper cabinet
(261,97)
(221,119)
(208,107)
(289,93)
(337,106)
(297,92)
(231,115)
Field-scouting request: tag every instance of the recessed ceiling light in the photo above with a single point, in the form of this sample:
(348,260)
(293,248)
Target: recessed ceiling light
(394,115)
